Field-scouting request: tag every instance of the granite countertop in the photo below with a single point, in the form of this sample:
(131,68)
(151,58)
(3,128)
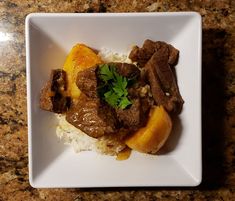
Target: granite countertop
(218,102)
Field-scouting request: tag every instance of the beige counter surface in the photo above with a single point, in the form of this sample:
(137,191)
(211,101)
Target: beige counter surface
(218,102)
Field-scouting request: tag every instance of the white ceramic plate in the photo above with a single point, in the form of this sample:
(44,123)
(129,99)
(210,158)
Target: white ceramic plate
(49,37)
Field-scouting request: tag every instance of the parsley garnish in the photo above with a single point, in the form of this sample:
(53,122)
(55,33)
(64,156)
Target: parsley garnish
(113,88)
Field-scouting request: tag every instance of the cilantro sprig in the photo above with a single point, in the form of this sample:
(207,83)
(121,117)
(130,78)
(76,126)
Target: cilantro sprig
(113,87)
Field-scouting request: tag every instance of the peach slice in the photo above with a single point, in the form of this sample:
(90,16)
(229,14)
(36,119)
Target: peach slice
(152,137)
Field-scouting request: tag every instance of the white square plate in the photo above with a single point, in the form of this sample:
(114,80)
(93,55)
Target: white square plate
(49,37)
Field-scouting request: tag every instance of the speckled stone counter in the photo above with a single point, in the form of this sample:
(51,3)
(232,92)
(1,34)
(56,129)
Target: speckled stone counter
(218,101)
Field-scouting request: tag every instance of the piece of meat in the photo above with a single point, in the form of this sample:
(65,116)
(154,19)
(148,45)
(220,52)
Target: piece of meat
(142,55)
(136,115)
(127,70)
(162,81)
(155,84)
(159,63)
(87,81)
(146,104)
(164,72)
(173,55)
(157,60)
(53,95)
(132,117)
(92,117)
(133,92)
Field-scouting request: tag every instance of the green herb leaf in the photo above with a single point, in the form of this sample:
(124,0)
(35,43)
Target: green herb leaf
(105,73)
(118,91)
(113,88)
(111,98)
(124,103)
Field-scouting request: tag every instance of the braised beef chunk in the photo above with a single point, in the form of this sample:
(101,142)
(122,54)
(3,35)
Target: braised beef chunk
(135,116)
(159,63)
(172,101)
(133,92)
(131,117)
(142,55)
(127,70)
(173,55)
(146,104)
(97,119)
(157,92)
(92,117)
(162,81)
(87,81)
(158,59)
(58,79)
(53,95)
(142,93)
(165,74)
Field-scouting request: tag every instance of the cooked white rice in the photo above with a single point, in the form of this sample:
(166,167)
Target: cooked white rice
(78,139)
(110,56)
